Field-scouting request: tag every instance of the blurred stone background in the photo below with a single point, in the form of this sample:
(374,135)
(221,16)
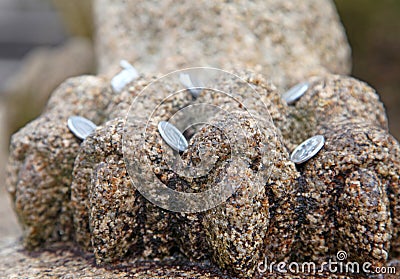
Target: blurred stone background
(43,42)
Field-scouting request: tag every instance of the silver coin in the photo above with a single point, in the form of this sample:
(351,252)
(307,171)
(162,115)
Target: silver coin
(126,65)
(186,80)
(127,75)
(172,136)
(295,93)
(80,126)
(307,149)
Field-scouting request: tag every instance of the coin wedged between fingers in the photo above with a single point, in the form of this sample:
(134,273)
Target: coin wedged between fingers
(307,149)
(81,127)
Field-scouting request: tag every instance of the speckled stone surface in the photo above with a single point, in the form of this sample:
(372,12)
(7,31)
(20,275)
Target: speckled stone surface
(285,41)
(253,223)
(331,98)
(87,96)
(79,203)
(300,213)
(114,221)
(106,231)
(346,192)
(41,159)
(62,260)
(120,103)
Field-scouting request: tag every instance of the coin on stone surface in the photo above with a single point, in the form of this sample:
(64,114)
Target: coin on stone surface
(127,75)
(295,93)
(80,126)
(187,81)
(307,149)
(172,136)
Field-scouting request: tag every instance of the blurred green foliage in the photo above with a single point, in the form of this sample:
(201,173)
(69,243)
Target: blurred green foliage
(373,30)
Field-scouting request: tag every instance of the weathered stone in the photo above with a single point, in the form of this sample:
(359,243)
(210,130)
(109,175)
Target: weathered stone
(41,159)
(331,98)
(117,220)
(346,197)
(112,219)
(285,41)
(62,260)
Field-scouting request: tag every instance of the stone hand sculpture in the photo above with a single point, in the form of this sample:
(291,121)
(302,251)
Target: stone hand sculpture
(344,198)
(90,192)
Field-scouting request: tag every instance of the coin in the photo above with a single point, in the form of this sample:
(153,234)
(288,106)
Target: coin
(172,136)
(307,149)
(126,65)
(186,81)
(80,126)
(127,75)
(294,93)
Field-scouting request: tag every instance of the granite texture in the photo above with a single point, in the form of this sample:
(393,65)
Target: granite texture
(302,213)
(348,194)
(118,221)
(332,98)
(42,156)
(285,41)
(64,261)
